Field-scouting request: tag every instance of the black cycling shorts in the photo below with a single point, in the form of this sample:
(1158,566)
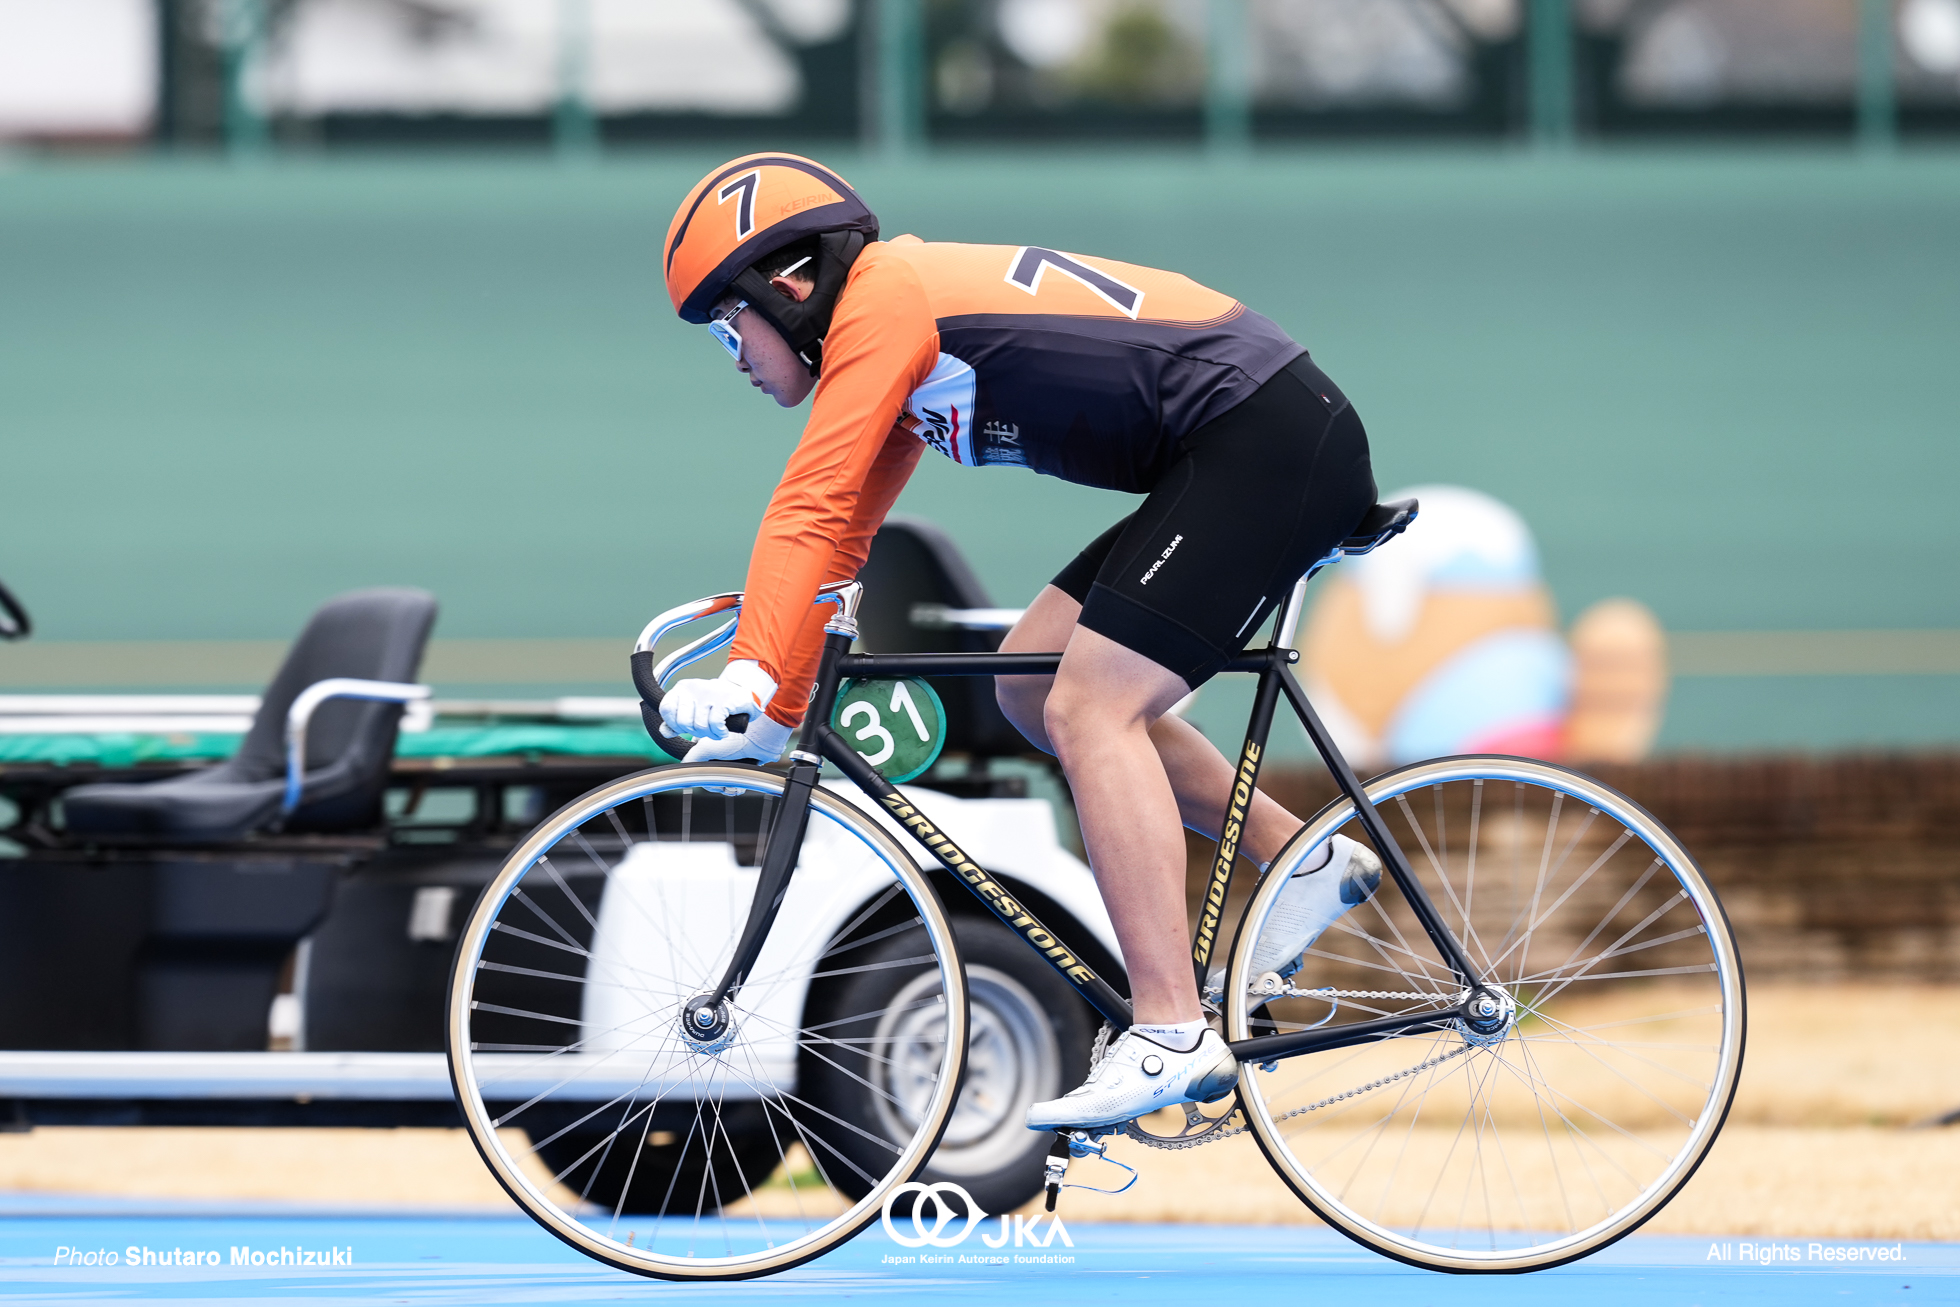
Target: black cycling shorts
(1255,497)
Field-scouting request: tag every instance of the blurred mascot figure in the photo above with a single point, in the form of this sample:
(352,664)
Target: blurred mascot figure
(1446,641)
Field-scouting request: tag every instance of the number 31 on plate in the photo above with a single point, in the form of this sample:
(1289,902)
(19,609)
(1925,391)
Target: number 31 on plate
(898,726)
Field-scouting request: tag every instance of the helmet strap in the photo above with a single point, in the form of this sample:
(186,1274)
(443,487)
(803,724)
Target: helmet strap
(804,323)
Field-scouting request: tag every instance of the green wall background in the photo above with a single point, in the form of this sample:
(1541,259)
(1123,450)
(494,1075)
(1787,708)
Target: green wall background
(1721,383)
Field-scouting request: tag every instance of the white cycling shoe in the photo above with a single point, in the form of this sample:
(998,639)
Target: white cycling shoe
(1311,902)
(1137,1076)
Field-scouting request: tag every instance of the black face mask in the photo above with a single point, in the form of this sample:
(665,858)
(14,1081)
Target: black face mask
(804,324)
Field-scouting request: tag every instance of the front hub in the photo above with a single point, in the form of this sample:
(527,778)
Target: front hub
(710,1027)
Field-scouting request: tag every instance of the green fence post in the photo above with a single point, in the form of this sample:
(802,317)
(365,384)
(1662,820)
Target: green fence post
(574,134)
(1228,78)
(901,89)
(243,29)
(1878,104)
(870,95)
(1548,46)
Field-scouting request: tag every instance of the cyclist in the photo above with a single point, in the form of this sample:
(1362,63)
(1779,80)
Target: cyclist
(1252,463)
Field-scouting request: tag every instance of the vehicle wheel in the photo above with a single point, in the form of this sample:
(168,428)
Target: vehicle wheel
(1030,1041)
(565,1034)
(1602,1086)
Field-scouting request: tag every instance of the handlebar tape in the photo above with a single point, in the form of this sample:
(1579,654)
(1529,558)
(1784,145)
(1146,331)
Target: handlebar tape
(650,696)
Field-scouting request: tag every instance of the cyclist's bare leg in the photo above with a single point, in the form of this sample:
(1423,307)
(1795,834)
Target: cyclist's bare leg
(1098,716)
(1200,776)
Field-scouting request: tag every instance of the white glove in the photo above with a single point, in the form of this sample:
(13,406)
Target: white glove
(700,709)
(765,741)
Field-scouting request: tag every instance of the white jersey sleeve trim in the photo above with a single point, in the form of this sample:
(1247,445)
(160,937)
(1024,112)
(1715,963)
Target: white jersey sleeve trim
(940,411)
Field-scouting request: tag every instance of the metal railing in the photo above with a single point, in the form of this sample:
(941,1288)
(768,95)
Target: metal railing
(1553,80)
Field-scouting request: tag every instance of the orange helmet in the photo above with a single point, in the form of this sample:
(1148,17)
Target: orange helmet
(749,208)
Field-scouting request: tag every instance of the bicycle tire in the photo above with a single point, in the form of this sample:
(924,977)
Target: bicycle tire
(563,1023)
(1575,1124)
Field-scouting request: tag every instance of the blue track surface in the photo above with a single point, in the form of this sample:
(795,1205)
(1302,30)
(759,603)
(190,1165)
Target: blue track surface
(433,1259)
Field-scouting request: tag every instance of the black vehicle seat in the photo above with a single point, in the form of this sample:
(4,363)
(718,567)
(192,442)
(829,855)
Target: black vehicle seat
(912,563)
(373,634)
(15,624)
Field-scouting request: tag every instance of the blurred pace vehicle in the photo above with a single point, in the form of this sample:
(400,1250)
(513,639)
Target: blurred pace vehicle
(1449,644)
(190,938)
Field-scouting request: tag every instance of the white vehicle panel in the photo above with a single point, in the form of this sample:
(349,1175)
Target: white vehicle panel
(637,982)
(639,975)
(633,989)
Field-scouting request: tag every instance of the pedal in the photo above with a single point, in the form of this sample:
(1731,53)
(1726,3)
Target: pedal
(1071,1144)
(1057,1169)
(1091,1143)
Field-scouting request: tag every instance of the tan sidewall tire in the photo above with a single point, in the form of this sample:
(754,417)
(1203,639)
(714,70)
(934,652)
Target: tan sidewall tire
(540,1207)
(1708,1124)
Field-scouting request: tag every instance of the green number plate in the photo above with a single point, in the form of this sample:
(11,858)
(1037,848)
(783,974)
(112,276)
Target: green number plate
(898,727)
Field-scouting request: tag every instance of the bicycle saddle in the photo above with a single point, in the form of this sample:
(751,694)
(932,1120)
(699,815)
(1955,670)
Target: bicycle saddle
(1381,523)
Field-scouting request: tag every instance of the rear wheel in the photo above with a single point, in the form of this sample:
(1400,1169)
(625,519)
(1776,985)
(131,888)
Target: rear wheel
(680,1153)
(1606,1070)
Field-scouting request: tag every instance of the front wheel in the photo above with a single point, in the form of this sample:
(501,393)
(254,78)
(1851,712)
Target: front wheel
(1559,1127)
(682,1153)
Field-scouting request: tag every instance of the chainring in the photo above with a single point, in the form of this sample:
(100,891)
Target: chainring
(1201,1128)
(1198,1127)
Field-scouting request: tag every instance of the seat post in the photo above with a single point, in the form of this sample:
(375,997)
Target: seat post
(1289,614)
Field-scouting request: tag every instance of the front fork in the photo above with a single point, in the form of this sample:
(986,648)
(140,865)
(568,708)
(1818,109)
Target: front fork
(706,1016)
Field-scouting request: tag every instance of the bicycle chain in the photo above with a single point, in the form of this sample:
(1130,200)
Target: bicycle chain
(1213,1134)
(1369,1088)
(1353,993)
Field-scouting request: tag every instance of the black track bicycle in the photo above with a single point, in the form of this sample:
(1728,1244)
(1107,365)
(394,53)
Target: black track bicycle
(708,1019)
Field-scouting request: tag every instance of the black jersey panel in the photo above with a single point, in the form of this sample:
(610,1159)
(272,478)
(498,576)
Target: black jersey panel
(1105,401)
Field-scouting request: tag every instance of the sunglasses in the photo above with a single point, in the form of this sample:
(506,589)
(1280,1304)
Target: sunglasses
(722,327)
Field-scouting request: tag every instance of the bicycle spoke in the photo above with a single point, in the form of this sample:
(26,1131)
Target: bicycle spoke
(1470,860)
(1437,864)
(1638,926)
(1570,890)
(1632,892)
(532,937)
(1617,951)
(559,880)
(546,918)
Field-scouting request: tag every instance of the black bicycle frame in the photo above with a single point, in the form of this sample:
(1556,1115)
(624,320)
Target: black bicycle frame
(1274,669)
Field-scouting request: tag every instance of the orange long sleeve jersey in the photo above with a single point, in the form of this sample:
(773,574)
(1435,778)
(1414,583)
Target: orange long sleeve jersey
(1080,368)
